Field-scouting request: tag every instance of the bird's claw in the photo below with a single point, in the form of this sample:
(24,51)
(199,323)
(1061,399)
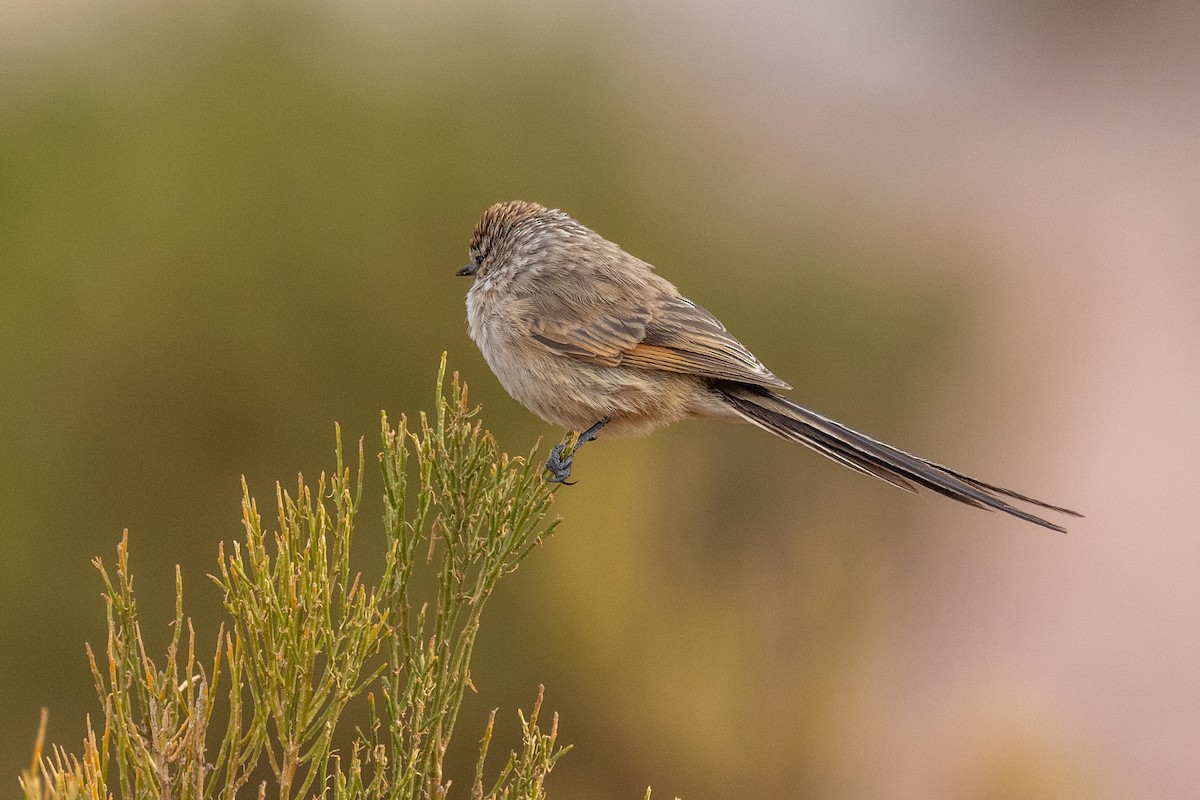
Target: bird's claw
(559,467)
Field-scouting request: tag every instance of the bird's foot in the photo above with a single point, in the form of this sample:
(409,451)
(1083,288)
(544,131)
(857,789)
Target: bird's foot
(558,466)
(559,463)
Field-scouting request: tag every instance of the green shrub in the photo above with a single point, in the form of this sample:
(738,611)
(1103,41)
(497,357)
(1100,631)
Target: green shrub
(304,636)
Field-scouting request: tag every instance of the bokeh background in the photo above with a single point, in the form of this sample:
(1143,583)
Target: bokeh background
(972,229)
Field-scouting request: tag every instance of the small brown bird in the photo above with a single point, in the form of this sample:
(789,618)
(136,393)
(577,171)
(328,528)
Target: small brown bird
(588,337)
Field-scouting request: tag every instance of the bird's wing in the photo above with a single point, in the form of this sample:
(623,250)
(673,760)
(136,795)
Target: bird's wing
(601,340)
(674,335)
(683,337)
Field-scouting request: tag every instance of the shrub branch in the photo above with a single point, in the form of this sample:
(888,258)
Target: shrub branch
(304,636)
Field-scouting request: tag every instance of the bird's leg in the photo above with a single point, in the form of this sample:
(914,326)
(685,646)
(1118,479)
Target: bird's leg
(591,433)
(559,463)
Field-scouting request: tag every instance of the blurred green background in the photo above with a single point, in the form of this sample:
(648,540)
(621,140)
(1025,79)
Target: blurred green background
(222,228)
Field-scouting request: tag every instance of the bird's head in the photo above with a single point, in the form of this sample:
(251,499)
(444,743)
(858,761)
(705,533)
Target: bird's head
(511,236)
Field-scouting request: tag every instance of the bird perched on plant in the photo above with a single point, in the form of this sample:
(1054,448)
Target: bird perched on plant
(589,337)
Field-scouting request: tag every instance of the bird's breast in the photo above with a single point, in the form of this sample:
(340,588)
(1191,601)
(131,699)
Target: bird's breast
(496,323)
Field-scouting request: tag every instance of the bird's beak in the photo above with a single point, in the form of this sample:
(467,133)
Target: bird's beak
(469,269)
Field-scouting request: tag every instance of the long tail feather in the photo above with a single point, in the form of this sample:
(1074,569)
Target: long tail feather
(870,456)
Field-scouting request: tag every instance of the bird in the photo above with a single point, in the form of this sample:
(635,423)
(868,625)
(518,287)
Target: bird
(590,338)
